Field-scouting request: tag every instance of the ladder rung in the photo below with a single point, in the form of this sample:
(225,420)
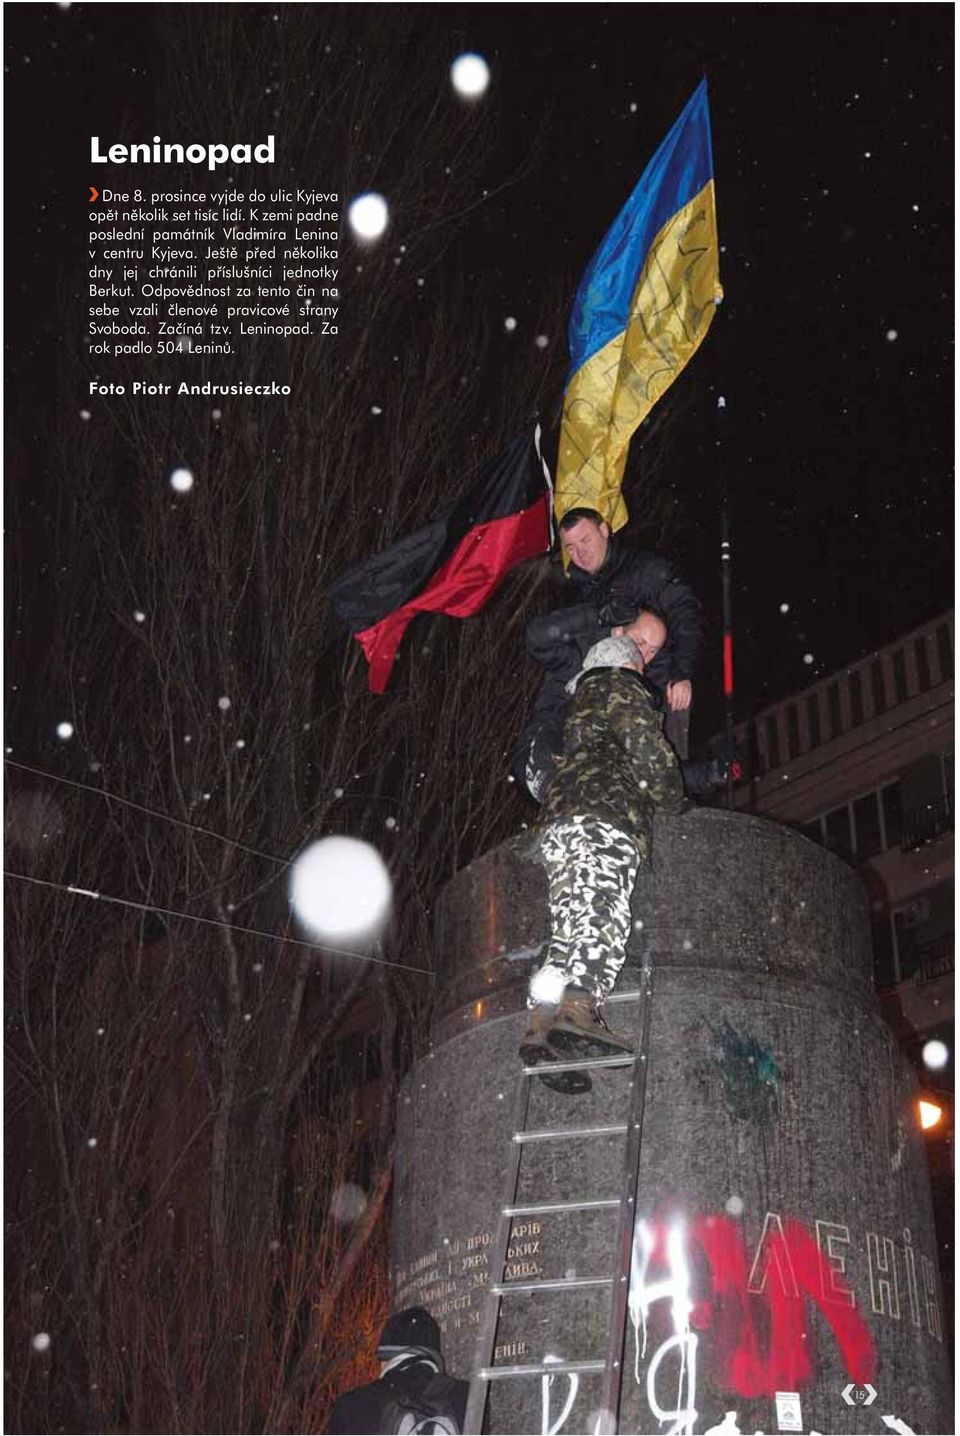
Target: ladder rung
(557,1284)
(498,1373)
(546,1133)
(625,1059)
(539,1209)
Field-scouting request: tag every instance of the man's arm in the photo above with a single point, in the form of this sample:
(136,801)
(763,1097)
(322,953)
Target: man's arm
(679,694)
(649,578)
(681,613)
(533,756)
(558,641)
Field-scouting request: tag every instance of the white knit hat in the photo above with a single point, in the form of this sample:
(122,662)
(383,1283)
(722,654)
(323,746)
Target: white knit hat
(608,653)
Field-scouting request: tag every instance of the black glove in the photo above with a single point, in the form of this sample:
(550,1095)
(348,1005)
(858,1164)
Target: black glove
(702,776)
(724,749)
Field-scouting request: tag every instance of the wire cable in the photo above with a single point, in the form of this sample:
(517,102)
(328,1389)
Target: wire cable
(151,812)
(214,922)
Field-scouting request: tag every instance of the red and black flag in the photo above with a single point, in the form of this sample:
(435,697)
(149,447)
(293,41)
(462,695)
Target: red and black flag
(453,564)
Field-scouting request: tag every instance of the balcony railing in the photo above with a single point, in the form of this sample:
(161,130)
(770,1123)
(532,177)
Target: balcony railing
(924,824)
(936,959)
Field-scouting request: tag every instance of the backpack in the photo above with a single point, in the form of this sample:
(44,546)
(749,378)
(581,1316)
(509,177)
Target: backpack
(426,1412)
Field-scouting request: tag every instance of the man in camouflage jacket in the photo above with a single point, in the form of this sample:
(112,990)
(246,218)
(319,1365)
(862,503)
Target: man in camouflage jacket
(596,827)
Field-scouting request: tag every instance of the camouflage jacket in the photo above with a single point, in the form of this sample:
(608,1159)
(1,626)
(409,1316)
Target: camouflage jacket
(616,763)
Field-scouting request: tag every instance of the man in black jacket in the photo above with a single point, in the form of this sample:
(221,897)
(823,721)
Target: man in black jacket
(612,584)
(414,1394)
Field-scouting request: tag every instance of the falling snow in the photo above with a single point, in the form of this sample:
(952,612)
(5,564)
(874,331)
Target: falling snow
(368,216)
(935,1055)
(470,75)
(181,480)
(340,890)
(547,986)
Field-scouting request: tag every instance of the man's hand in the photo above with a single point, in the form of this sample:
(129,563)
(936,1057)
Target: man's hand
(679,695)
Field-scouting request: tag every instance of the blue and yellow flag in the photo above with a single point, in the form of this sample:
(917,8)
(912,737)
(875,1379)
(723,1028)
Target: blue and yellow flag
(642,309)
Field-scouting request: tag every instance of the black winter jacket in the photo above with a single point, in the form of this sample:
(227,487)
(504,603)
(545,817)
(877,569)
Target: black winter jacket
(629,580)
(632,579)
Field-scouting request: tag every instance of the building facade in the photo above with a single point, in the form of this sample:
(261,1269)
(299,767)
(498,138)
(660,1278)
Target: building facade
(862,762)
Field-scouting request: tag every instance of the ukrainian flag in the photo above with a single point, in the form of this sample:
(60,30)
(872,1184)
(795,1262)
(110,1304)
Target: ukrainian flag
(642,309)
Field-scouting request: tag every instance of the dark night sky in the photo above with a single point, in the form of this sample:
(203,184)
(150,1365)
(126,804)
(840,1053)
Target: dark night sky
(832,130)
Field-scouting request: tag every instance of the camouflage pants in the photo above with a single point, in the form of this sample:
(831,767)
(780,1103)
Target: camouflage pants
(591,869)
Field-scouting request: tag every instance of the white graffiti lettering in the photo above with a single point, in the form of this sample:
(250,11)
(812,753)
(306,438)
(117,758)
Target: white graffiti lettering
(546,1381)
(675,1288)
(728,1426)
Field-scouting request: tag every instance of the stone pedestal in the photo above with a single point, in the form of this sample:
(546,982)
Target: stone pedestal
(784,1241)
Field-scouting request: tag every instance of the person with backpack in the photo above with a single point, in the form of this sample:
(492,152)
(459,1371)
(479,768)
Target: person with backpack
(413,1396)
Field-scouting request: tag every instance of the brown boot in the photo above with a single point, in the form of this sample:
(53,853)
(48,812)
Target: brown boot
(535,1051)
(579,1031)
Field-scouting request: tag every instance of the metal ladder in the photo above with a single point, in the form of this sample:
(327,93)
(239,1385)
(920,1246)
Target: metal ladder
(618,1282)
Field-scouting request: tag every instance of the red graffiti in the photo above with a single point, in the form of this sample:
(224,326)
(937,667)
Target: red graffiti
(788,1269)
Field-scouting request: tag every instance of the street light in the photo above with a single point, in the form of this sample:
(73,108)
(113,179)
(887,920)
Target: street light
(929,1112)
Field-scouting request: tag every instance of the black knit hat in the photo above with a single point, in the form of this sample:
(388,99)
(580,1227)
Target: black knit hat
(413,1327)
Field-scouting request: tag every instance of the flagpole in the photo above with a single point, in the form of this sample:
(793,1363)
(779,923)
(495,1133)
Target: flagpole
(726,564)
